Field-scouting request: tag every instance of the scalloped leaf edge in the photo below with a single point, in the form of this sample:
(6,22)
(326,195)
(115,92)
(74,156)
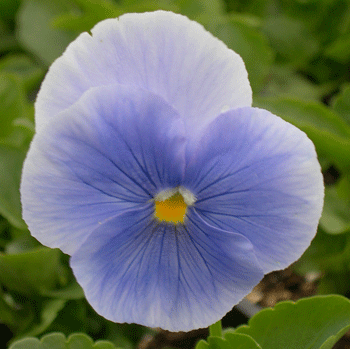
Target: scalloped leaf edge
(47,340)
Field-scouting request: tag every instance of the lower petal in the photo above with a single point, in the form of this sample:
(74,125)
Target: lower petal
(178,277)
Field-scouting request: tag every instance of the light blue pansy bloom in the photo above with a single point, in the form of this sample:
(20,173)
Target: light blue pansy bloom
(149,166)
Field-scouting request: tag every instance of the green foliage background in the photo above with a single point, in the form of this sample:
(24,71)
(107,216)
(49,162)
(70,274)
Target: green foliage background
(297,53)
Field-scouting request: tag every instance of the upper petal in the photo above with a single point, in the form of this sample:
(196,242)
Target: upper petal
(111,151)
(177,277)
(162,52)
(257,175)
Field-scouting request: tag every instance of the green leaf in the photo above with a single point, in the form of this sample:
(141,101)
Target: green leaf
(309,113)
(71,291)
(8,8)
(8,42)
(324,70)
(339,50)
(283,81)
(7,314)
(336,212)
(309,11)
(333,20)
(16,114)
(197,8)
(291,39)
(334,283)
(31,272)
(241,341)
(250,44)
(218,343)
(35,32)
(12,102)
(30,343)
(341,103)
(343,187)
(329,132)
(11,161)
(230,340)
(149,5)
(327,253)
(125,335)
(256,7)
(202,344)
(74,317)
(24,68)
(20,244)
(49,311)
(16,316)
(92,12)
(313,323)
(59,341)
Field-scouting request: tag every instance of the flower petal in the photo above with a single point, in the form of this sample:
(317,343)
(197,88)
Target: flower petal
(161,52)
(257,175)
(177,277)
(99,157)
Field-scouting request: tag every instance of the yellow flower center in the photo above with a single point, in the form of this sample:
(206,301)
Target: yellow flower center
(172,209)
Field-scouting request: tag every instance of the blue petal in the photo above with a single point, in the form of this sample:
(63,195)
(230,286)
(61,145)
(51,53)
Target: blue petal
(177,277)
(111,151)
(257,175)
(161,52)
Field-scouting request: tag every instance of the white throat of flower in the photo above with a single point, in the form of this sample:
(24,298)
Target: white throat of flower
(170,205)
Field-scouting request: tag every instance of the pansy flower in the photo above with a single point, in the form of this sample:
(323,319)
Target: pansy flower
(149,167)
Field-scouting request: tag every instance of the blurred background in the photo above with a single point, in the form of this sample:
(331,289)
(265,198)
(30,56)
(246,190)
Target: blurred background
(297,53)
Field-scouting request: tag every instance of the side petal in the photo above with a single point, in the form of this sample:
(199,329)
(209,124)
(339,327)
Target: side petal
(178,277)
(257,175)
(111,151)
(161,52)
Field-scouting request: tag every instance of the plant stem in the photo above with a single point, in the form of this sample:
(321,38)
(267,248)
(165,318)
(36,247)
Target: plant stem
(215,329)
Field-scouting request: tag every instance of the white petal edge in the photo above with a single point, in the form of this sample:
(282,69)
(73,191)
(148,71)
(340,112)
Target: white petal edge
(162,52)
